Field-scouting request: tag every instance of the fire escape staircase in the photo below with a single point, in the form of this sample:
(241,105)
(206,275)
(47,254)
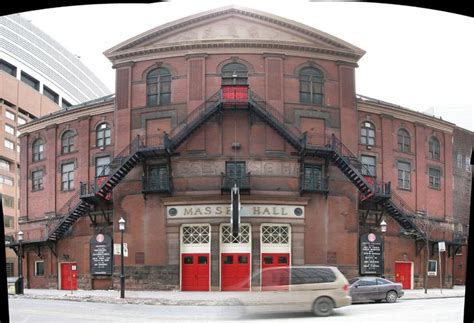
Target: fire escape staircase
(137,151)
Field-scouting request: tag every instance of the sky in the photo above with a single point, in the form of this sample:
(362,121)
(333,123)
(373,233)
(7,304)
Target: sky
(418,58)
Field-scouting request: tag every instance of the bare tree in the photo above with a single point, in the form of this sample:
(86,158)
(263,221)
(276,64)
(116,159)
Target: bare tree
(427,226)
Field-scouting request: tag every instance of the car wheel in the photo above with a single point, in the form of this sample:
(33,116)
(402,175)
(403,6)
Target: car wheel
(392,296)
(323,306)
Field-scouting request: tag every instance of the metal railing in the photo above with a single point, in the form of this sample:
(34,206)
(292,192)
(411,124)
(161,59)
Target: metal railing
(228,181)
(160,184)
(320,184)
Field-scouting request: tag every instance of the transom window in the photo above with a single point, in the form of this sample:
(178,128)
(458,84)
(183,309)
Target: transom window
(195,234)
(404,172)
(367,134)
(103,135)
(434,178)
(242,237)
(158,87)
(434,148)
(311,85)
(275,234)
(369,166)
(234,74)
(67,176)
(38,150)
(67,142)
(403,140)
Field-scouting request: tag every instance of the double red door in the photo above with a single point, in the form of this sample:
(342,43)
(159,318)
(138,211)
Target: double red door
(195,272)
(275,271)
(69,276)
(235,271)
(403,274)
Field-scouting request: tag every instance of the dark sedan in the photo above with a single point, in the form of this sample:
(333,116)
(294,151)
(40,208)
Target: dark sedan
(374,288)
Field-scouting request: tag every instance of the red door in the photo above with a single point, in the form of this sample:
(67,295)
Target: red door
(195,272)
(235,271)
(403,274)
(275,271)
(69,276)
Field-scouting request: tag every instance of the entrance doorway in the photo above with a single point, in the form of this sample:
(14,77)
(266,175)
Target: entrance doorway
(68,276)
(195,276)
(235,271)
(278,277)
(403,273)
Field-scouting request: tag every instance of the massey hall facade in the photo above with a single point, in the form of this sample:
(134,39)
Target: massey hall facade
(229,98)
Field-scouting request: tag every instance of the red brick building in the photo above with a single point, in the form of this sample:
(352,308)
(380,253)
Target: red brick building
(233,97)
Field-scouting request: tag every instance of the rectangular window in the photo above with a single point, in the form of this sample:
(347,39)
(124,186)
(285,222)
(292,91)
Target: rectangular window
(467,164)
(37,178)
(8,68)
(10,115)
(434,177)
(10,272)
(8,201)
(50,94)
(9,129)
(102,166)
(65,104)
(9,221)
(30,80)
(404,175)
(67,177)
(4,164)
(313,177)
(9,144)
(432,268)
(369,165)
(39,268)
(459,161)
(21,121)
(6,180)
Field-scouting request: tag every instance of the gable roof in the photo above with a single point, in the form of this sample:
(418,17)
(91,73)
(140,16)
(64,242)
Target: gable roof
(233,27)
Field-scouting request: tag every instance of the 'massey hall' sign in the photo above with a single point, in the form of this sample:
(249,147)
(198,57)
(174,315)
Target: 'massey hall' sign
(223,210)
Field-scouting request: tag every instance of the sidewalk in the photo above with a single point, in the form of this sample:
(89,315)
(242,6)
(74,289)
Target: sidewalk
(191,298)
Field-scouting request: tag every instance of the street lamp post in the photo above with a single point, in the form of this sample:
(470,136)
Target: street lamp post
(20,263)
(383,229)
(122,275)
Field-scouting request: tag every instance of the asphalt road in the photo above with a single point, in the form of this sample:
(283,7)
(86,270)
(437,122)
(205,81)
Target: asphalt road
(423,310)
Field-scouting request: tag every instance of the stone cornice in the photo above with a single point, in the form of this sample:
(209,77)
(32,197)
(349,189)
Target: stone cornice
(407,115)
(66,116)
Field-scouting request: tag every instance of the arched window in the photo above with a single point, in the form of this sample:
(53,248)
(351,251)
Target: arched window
(234,74)
(67,142)
(158,87)
(311,85)
(367,134)
(403,141)
(103,135)
(38,150)
(434,149)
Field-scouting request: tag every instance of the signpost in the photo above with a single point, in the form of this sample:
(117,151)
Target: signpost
(371,254)
(235,210)
(441,248)
(101,254)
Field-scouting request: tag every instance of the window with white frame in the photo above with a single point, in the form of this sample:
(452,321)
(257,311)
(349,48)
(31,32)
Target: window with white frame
(369,165)
(67,176)
(102,166)
(404,175)
(39,268)
(9,129)
(242,237)
(367,134)
(4,164)
(275,234)
(195,234)
(103,135)
(10,115)
(9,144)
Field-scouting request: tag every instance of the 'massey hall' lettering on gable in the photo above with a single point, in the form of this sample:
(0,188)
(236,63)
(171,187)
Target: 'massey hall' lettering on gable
(222,210)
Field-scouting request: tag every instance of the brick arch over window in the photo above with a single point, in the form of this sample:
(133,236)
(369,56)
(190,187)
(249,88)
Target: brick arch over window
(158,86)
(403,140)
(434,148)
(67,141)
(311,81)
(38,149)
(220,66)
(367,133)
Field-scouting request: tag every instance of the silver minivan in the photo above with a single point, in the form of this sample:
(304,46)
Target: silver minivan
(318,289)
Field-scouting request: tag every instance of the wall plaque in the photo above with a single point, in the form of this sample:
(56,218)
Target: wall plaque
(101,254)
(371,254)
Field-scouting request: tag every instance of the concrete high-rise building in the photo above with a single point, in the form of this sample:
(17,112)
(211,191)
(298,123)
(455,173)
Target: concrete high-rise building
(37,77)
